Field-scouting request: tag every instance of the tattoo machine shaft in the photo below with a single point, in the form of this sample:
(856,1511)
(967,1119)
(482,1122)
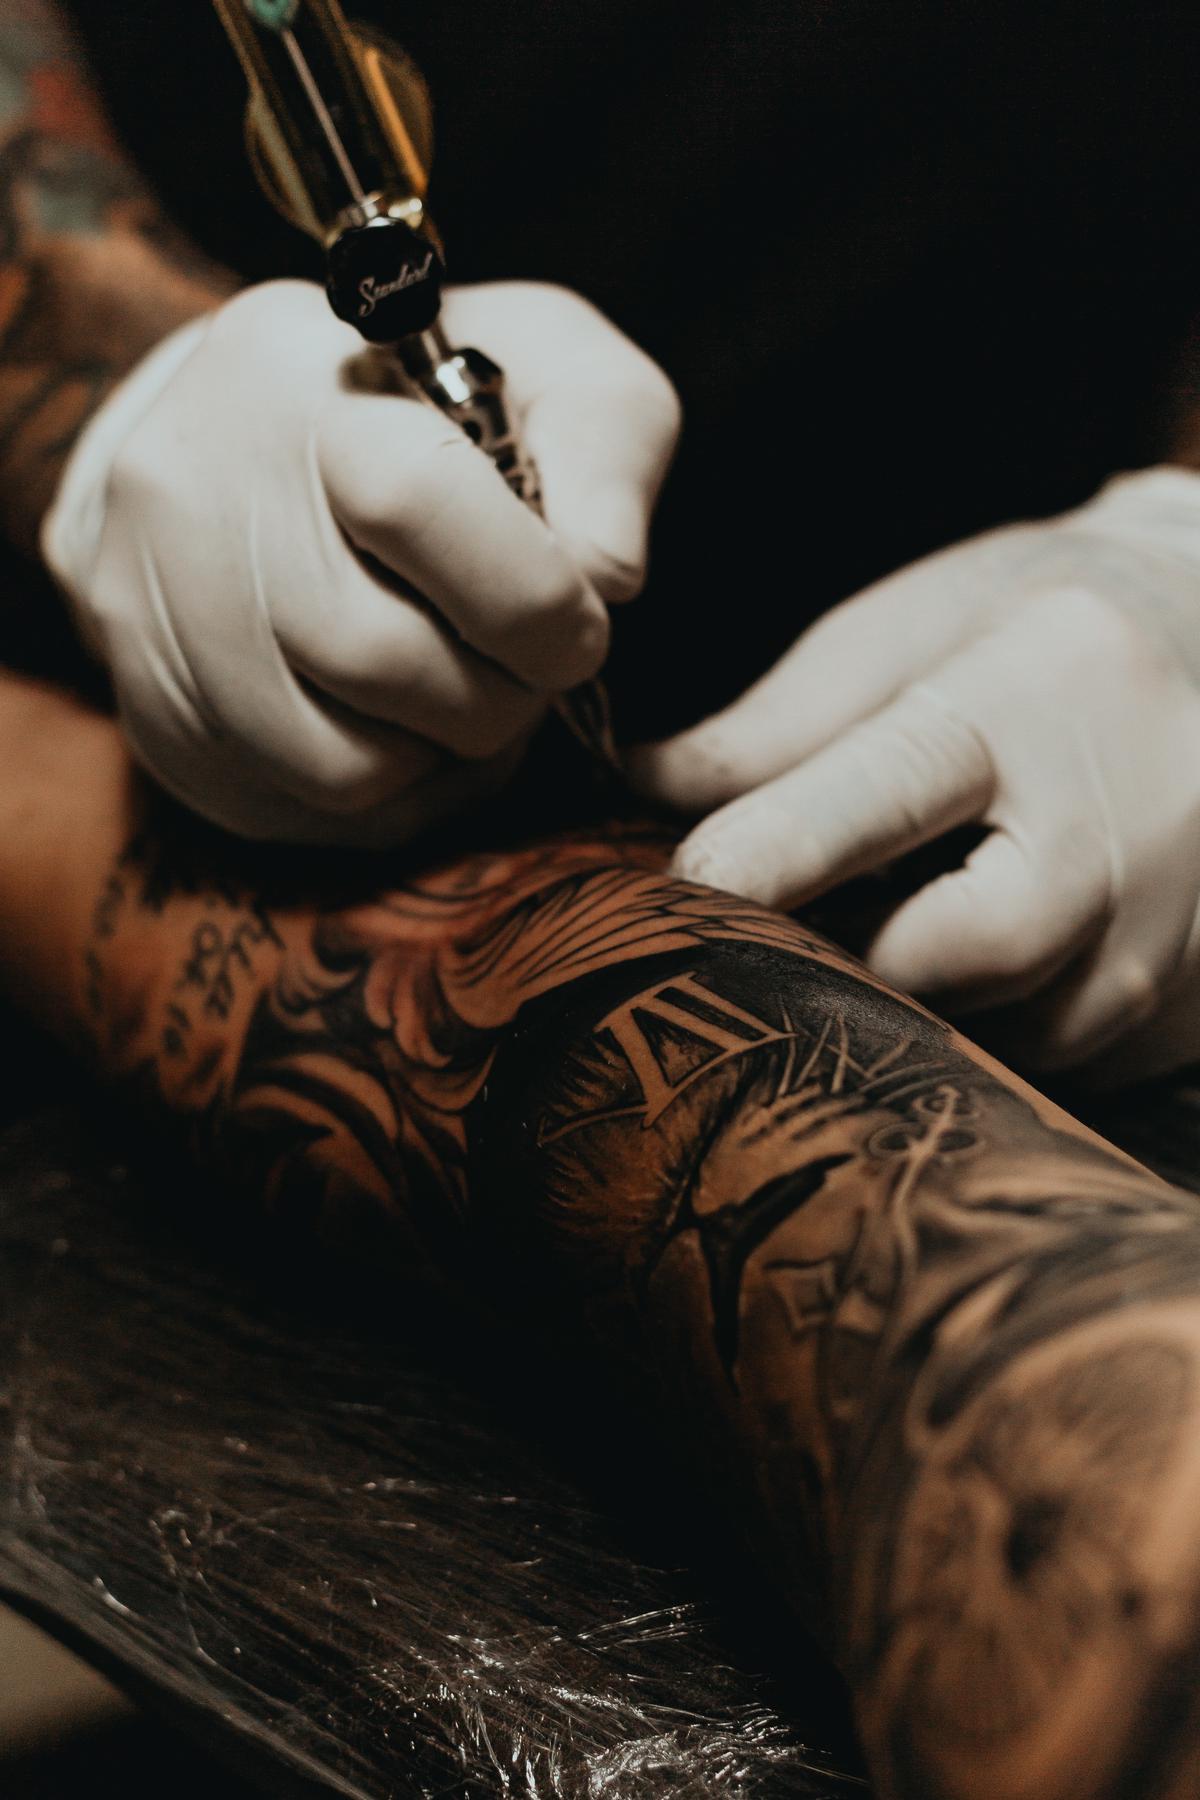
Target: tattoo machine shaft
(339,130)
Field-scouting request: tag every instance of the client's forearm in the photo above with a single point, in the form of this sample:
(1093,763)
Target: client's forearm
(951,1342)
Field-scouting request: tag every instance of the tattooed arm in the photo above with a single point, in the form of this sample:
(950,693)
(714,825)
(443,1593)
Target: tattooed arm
(91,274)
(947,1342)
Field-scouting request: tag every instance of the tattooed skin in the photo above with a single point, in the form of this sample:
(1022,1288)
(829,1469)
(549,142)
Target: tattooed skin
(950,1340)
(91,275)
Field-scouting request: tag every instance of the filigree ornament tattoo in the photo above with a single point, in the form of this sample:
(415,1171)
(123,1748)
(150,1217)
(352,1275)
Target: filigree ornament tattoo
(947,1338)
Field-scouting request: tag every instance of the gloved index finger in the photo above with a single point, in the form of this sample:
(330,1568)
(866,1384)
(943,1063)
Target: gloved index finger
(840,671)
(407,486)
(890,783)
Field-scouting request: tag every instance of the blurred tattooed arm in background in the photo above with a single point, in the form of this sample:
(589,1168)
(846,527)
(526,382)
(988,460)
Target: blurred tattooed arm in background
(92,274)
(940,1344)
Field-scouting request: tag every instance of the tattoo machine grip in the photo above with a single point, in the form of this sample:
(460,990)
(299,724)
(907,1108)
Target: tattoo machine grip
(339,132)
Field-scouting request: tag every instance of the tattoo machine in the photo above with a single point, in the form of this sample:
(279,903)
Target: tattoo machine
(339,131)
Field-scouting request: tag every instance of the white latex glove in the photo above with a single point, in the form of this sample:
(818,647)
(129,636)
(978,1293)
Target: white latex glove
(325,615)
(1041,681)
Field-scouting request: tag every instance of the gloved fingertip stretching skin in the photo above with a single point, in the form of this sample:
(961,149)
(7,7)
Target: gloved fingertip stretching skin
(326,617)
(1042,682)
(941,1344)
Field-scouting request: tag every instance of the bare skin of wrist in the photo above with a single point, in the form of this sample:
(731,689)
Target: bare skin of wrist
(947,1342)
(92,275)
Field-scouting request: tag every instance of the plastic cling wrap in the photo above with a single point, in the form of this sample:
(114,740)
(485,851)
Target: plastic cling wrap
(347,1564)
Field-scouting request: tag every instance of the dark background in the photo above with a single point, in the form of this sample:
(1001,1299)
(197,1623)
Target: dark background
(916,268)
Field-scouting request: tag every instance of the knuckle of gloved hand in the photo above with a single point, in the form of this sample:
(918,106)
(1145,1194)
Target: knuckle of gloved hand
(658,400)
(396,495)
(543,306)
(504,317)
(1136,988)
(141,471)
(1088,630)
(550,305)
(350,646)
(617,576)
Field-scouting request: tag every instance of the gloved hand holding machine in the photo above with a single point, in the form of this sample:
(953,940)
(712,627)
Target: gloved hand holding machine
(340,133)
(325,617)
